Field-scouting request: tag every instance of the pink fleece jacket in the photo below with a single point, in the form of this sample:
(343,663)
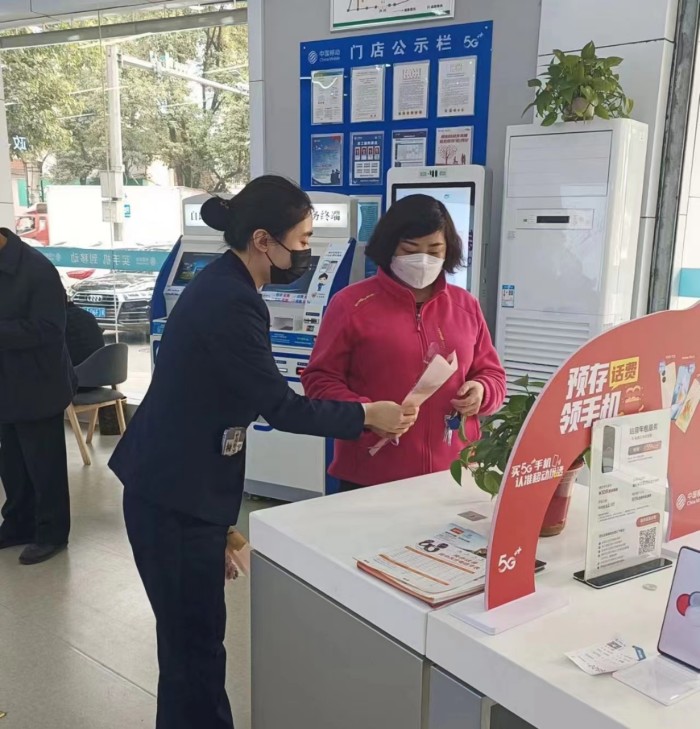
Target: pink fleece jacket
(374,345)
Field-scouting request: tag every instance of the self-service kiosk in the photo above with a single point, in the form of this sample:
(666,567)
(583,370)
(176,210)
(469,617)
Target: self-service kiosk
(198,247)
(466,193)
(281,465)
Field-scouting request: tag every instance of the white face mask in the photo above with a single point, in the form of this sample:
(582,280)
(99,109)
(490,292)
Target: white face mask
(418,270)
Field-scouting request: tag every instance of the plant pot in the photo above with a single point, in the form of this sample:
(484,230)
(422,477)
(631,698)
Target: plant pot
(558,509)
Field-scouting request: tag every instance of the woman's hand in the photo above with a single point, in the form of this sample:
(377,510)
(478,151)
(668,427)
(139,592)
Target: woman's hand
(390,419)
(469,399)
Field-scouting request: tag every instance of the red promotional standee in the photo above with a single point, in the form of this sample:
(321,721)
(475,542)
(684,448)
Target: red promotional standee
(646,364)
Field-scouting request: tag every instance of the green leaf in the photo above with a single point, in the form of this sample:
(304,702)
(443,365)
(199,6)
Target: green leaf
(492,483)
(518,403)
(559,55)
(527,108)
(602,112)
(550,119)
(542,102)
(456,469)
(612,61)
(522,381)
(588,51)
(534,83)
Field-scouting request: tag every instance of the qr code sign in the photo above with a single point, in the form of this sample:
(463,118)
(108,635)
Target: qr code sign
(647,541)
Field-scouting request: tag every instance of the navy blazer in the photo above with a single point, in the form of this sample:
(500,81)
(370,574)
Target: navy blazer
(215,370)
(36,377)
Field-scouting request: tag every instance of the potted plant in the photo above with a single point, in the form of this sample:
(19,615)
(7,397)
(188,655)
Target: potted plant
(487,458)
(578,87)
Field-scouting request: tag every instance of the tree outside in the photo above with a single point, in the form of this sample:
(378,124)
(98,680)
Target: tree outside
(56,100)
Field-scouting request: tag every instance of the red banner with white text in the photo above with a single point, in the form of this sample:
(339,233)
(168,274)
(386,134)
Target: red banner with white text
(646,364)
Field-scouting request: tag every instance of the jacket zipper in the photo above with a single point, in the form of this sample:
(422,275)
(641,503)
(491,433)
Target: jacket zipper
(427,453)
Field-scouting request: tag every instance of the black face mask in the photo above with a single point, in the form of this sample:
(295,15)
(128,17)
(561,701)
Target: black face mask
(301,262)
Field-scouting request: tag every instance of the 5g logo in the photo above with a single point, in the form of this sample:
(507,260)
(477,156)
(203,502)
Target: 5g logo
(470,42)
(506,563)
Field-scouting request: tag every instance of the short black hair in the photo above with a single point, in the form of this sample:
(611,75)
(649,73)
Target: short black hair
(270,203)
(414,216)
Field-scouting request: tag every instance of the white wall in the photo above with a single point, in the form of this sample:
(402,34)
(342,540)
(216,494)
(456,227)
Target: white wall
(642,32)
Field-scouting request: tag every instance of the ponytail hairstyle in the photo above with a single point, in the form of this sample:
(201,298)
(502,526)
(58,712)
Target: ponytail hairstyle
(270,203)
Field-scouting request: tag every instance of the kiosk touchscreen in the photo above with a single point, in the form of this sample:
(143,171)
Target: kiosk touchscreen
(281,465)
(465,193)
(198,247)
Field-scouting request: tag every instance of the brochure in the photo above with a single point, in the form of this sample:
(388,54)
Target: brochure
(437,570)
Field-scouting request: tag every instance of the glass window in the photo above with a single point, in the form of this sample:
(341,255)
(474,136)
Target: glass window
(107,139)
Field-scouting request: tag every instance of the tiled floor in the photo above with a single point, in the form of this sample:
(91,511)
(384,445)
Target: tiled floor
(77,637)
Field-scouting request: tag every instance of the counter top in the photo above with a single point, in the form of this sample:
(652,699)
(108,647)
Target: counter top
(523,669)
(319,540)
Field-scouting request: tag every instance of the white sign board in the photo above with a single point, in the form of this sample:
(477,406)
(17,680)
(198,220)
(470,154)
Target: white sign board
(351,14)
(629,469)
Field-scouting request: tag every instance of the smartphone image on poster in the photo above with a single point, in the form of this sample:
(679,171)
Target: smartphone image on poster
(667,377)
(680,633)
(684,380)
(609,446)
(690,405)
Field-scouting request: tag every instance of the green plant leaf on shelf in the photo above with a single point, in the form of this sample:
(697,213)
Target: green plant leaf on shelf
(578,87)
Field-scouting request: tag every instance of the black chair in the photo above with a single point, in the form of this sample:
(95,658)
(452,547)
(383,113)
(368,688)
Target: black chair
(98,377)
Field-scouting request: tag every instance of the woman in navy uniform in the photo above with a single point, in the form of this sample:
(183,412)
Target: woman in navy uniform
(182,459)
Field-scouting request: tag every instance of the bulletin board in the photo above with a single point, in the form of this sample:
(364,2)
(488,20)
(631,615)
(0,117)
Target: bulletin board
(352,129)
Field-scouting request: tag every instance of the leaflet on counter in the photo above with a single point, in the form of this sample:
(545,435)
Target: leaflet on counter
(436,570)
(436,374)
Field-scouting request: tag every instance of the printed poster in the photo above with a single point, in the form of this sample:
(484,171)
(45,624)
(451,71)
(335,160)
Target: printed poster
(367,94)
(327,96)
(456,86)
(409,148)
(627,494)
(453,146)
(327,160)
(367,158)
(411,82)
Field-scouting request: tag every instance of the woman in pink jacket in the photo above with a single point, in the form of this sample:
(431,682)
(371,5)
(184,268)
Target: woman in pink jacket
(378,335)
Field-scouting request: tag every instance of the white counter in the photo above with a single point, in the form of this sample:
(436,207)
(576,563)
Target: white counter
(524,669)
(318,541)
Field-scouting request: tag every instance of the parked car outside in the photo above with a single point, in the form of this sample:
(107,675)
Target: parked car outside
(119,301)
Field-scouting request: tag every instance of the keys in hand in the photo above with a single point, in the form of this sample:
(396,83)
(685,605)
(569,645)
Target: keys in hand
(452,423)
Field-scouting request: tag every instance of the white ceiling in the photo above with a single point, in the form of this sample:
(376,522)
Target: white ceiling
(15,13)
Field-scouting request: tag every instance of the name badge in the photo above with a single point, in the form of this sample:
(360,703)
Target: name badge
(232,441)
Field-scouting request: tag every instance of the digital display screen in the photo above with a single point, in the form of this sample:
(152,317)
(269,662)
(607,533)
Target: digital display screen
(300,286)
(680,633)
(459,201)
(191,264)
